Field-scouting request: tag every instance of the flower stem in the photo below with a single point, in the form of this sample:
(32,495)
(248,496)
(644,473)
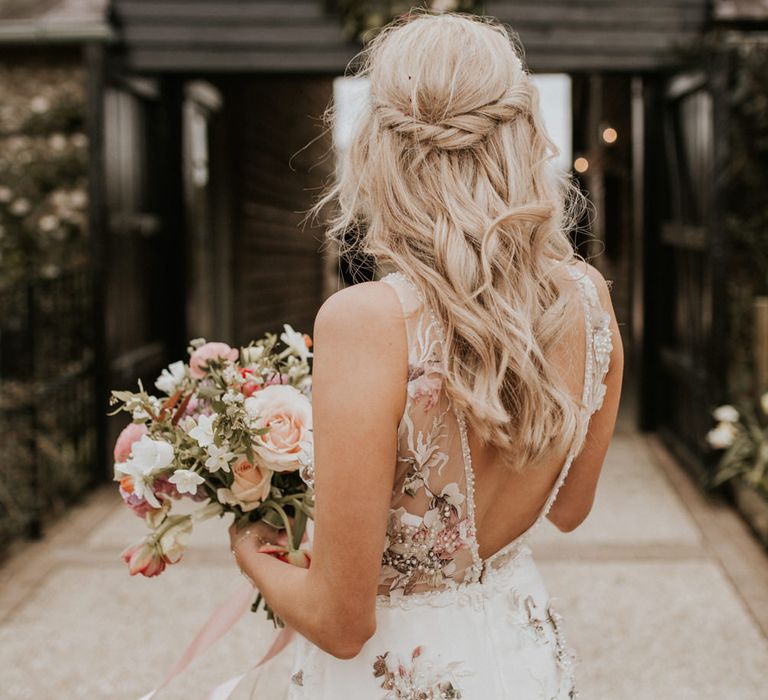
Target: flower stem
(275,506)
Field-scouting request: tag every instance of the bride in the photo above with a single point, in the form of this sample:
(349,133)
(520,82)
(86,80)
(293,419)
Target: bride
(454,396)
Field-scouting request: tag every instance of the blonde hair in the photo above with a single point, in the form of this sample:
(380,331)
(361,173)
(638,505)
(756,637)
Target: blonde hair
(449,179)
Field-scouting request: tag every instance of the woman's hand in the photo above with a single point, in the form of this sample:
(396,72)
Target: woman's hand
(249,537)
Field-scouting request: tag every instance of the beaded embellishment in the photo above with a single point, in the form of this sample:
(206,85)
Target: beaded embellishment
(416,558)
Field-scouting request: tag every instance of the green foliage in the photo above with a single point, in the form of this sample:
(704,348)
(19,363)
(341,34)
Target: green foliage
(746,447)
(43,170)
(363,18)
(746,216)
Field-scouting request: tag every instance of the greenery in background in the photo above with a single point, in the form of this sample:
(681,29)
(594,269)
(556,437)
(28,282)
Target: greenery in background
(746,198)
(362,18)
(742,432)
(43,171)
(46,442)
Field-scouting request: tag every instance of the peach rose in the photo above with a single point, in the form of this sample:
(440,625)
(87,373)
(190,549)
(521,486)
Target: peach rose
(210,351)
(286,413)
(250,486)
(124,443)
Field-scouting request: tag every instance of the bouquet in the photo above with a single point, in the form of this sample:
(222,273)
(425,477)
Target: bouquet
(742,434)
(233,433)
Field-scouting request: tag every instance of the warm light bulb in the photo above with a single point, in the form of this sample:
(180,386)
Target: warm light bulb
(610,135)
(581,165)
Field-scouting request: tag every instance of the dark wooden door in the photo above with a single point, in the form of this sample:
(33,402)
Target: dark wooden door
(144,237)
(683,265)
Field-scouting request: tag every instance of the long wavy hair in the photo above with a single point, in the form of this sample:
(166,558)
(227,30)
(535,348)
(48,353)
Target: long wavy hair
(450,178)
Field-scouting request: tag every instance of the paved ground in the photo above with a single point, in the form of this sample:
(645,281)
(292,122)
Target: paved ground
(664,594)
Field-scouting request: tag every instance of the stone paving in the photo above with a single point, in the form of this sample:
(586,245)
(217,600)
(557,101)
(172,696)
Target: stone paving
(663,591)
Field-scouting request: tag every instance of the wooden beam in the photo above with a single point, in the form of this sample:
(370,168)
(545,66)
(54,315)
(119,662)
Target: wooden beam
(221,9)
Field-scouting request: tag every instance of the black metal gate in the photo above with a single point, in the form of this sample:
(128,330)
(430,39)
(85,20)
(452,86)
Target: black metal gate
(47,393)
(685,300)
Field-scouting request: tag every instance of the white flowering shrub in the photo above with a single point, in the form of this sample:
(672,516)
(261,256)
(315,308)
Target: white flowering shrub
(742,434)
(43,170)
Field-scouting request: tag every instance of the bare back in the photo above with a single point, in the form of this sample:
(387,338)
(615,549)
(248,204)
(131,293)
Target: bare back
(456,509)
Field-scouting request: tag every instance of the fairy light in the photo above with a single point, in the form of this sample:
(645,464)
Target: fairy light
(610,135)
(581,165)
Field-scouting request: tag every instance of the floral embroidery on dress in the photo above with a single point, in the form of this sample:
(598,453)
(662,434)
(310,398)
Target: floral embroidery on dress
(425,384)
(535,623)
(421,549)
(423,452)
(298,678)
(430,516)
(421,678)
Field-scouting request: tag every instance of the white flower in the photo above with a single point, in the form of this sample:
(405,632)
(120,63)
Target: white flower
(170,378)
(251,355)
(174,539)
(58,142)
(20,206)
(39,104)
(764,402)
(230,375)
(140,414)
(296,342)
(218,458)
(48,223)
(187,423)
(232,397)
(78,140)
(726,413)
(305,386)
(148,457)
(186,481)
(722,436)
(203,433)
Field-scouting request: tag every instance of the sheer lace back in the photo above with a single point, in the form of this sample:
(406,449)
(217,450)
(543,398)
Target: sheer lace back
(431,542)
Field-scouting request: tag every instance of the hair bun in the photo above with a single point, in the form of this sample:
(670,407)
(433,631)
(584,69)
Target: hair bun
(456,131)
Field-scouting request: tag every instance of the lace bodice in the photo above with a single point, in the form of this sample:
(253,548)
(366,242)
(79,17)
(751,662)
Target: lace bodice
(431,542)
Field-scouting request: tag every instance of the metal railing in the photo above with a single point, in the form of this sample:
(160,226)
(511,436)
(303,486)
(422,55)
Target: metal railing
(48,435)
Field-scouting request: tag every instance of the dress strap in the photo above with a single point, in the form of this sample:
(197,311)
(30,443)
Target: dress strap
(592,368)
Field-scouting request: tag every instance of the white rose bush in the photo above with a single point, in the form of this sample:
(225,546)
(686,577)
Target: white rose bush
(231,433)
(742,435)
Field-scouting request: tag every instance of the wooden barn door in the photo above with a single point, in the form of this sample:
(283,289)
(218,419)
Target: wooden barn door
(684,284)
(281,157)
(144,250)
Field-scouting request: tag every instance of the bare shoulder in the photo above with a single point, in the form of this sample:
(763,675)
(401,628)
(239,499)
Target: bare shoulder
(368,312)
(602,285)
(360,343)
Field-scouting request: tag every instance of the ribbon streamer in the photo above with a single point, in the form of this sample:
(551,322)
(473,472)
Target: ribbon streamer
(216,626)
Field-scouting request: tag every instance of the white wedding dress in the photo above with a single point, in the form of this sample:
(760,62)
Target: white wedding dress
(450,625)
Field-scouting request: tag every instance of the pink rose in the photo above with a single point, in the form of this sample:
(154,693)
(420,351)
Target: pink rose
(286,413)
(210,351)
(250,486)
(124,443)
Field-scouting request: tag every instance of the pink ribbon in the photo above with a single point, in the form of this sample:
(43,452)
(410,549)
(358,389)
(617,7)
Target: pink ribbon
(216,626)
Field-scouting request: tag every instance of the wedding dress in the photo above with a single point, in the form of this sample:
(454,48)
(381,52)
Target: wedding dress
(450,625)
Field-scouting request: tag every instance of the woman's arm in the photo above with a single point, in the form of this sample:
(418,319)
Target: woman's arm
(358,396)
(574,501)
